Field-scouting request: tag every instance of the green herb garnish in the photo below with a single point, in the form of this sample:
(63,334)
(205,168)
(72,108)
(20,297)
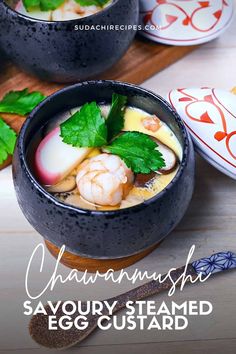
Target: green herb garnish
(115,119)
(15,102)
(30,4)
(86,128)
(7,140)
(44,5)
(47,5)
(20,102)
(138,151)
(100,3)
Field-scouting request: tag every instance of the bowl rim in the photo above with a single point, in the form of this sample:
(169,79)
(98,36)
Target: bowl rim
(146,203)
(75,21)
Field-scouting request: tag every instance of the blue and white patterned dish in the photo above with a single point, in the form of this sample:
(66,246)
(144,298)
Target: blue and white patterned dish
(216,263)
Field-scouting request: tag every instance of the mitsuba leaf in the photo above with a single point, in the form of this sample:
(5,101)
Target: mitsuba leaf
(30,4)
(7,140)
(138,151)
(86,128)
(47,5)
(100,3)
(20,102)
(115,119)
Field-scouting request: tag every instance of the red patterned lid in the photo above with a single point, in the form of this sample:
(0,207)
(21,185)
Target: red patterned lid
(210,117)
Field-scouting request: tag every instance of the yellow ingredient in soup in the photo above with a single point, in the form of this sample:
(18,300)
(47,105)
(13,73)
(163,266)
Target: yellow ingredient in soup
(133,122)
(138,195)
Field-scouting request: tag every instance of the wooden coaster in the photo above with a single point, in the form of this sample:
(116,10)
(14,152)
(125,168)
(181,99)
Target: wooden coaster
(92,265)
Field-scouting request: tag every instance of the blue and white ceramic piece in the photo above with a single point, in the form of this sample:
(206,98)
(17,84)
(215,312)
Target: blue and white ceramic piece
(216,263)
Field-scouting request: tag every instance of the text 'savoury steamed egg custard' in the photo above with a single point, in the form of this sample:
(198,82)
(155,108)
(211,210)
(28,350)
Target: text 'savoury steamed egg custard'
(102,157)
(60,10)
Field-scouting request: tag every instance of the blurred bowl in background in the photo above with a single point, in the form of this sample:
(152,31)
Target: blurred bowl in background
(56,51)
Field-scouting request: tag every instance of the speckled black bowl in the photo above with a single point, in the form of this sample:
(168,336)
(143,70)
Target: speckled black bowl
(55,51)
(101,234)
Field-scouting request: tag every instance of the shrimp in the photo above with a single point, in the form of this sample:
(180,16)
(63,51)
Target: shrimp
(151,123)
(104,180)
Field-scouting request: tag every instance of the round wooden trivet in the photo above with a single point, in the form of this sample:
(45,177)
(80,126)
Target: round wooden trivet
(92,265)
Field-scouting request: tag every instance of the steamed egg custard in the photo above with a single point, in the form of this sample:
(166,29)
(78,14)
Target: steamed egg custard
(61,10)
(138,120)
(101,157)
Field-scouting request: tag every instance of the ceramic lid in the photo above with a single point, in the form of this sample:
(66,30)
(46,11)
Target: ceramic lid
(210,116)
(181,22)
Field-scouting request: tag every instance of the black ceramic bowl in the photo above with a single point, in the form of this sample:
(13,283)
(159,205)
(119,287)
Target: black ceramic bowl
(101,234)
(55,51)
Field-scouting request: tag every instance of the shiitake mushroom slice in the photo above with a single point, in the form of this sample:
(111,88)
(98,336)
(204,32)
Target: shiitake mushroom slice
(77,201)
(66,185)
(171,160)
(73,198)
(169,156)
(141,179)
(63,196)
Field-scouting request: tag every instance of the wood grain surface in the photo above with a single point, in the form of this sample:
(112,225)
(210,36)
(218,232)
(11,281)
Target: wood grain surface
(143,59)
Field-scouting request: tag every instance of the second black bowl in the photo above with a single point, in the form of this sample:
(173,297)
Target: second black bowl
(56,51)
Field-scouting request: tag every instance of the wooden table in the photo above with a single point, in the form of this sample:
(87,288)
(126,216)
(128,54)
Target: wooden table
(210,224)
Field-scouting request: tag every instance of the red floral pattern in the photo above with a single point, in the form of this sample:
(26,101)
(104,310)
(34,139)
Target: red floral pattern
(210,116)
(201,18)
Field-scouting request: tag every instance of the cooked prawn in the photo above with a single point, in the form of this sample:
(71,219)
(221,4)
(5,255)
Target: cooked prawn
(104,180)
(151,123)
